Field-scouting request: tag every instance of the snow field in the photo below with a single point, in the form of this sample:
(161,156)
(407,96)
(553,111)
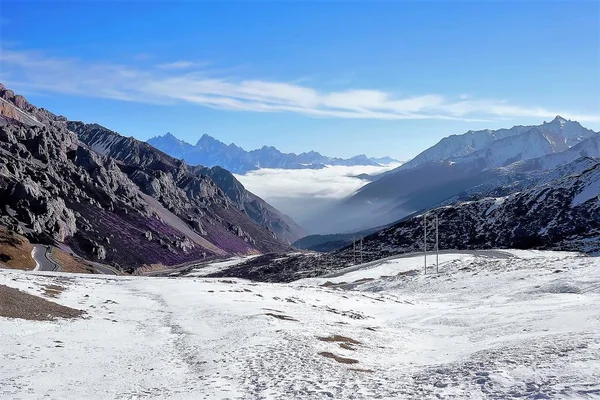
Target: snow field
(522,326)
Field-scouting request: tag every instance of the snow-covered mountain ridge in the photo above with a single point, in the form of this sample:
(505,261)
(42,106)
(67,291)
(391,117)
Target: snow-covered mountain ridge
(494,148)
(210,152)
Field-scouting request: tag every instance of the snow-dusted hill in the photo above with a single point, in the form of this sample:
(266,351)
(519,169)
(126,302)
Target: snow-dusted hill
(521,326)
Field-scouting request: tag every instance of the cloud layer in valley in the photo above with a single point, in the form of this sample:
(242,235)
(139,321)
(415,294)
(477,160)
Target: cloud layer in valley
(191,82)
(301,193)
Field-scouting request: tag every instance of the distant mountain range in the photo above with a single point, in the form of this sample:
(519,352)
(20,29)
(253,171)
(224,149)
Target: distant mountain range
(119,201)
(210,152)
(454,166)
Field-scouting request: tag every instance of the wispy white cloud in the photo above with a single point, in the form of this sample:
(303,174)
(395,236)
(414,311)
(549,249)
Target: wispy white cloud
(185,81)
(181,65)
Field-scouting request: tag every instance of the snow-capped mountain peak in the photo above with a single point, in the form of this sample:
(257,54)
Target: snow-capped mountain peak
(505,144)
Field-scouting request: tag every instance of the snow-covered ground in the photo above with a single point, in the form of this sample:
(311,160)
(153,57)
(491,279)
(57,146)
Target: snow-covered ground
(219,266)
(525,326)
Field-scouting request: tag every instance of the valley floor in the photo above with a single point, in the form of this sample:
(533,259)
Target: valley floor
(522,326)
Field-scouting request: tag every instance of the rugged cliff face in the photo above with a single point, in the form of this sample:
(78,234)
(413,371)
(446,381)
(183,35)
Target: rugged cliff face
(126,204)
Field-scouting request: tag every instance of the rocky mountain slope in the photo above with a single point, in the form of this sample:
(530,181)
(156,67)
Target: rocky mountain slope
(554,214)
(134,152)
(211,152)
(117,200)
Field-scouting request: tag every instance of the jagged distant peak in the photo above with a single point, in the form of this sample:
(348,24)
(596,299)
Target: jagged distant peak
(271,148)
(209,151)
(207,139)
(558,121)
(167,135)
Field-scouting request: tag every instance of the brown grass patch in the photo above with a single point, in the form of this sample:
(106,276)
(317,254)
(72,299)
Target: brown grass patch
(346,346)
(70,263)
(18,304)
(338,339)
(53,290)
(368,371)
(341,360)
(281,316)
(15,250)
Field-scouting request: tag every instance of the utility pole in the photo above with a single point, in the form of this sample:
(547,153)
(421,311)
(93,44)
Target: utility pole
(361,250)
(353,251)
(437,245)
(425,239)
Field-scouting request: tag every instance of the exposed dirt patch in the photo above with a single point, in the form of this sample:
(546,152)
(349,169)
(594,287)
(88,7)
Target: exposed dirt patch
(53,290)
(338,339)
(341,360)
(363,280)
(272,309)
(349,314)
(412,272)
(15,250)
(347,346)
(69,263)
(368,371)
(281,316)
(332,284)
(18,304)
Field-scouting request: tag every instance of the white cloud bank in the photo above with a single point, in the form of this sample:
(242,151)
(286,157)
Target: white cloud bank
(300,193)
(331,182)
(187,81)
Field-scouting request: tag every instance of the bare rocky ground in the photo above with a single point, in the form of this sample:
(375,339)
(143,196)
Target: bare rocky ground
(17,304)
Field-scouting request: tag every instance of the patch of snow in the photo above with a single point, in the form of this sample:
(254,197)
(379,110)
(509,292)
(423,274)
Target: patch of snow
(218,266)
(37,264)
(497,203)
(587,193)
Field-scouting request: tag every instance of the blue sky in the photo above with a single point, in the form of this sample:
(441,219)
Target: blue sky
(342,78)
